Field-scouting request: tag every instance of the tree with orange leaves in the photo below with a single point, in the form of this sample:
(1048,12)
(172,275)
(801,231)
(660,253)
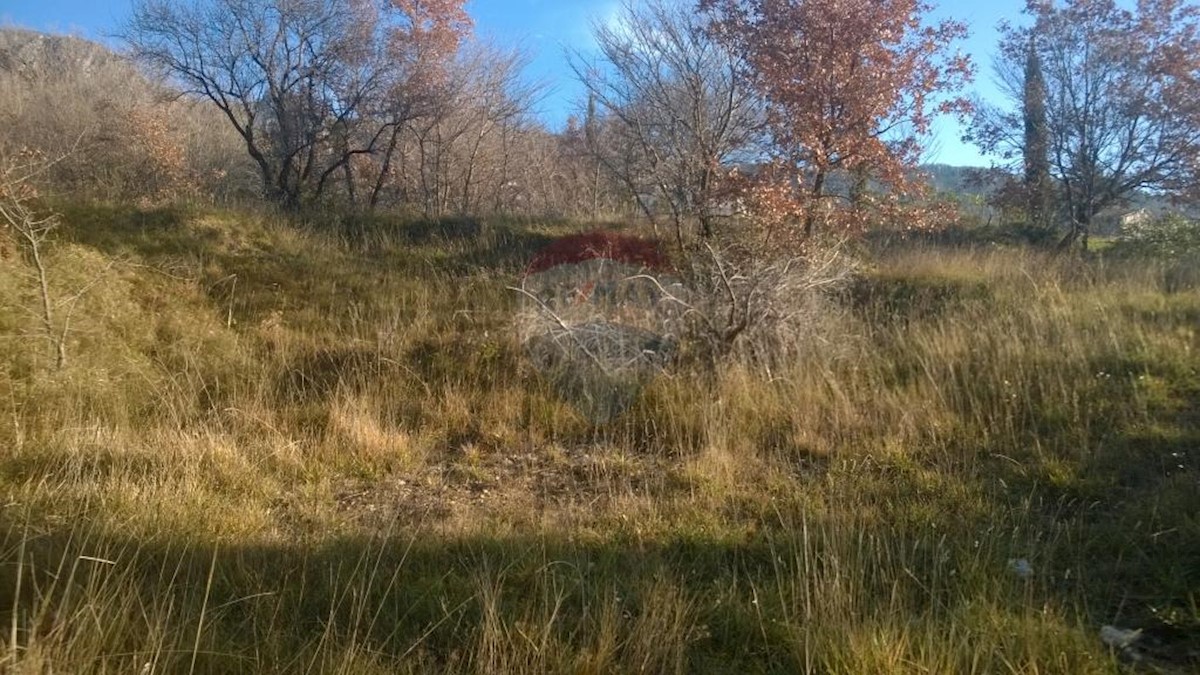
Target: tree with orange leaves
(432,29)
(422,39)
(852,87)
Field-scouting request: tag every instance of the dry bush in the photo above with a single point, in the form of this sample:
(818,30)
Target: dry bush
(127,137)
(750,307)
(603,328)
(600,315)
(85,108)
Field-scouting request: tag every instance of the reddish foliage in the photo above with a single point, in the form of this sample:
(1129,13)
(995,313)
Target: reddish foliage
(438,26)
(428,35)
(851,88)
(1120,83)
(597,245)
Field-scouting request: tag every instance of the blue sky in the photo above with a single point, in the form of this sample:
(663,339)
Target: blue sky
(546,28)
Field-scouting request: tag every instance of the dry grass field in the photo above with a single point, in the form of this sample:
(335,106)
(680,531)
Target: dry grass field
(273,451)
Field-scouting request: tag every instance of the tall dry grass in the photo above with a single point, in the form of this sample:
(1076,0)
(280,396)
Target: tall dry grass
(281,451)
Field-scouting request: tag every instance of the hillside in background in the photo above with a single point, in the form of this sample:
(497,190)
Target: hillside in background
(962,180)
(110,131)
(32,54)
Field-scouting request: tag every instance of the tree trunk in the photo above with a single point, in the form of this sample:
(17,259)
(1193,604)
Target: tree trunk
(1081,225)
(810,215)
(1036,141)
(704,208)
(58,342)
(385,168)
(350,193)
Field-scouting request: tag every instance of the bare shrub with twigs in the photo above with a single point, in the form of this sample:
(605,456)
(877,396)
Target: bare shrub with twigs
(32,228)
(600,329)
(760,309)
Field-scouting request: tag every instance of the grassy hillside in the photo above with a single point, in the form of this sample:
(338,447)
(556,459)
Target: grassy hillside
(274,451)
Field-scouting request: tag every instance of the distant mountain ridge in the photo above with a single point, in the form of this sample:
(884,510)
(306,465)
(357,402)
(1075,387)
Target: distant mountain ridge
(963,180)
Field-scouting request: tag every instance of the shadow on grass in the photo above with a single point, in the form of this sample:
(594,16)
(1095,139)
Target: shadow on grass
(883,300)
(252,271)
(1115,543)
(1129,516)
(971,237)
(148,233)
(412,603)
(460,244)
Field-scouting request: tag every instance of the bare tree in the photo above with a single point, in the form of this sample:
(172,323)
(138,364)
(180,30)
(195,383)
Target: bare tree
(554,174)
(667,110)
(503,100)
(303,82)
(32,230)
(459,152)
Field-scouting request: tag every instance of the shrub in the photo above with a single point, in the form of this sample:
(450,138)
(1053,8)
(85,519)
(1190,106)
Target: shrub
(1172,239)
(1172,236)
(760,309)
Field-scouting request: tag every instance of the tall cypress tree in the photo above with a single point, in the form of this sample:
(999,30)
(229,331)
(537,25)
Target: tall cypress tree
(1036,145)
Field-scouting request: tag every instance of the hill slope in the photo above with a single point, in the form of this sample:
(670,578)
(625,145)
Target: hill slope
(33,54)
(274,451)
